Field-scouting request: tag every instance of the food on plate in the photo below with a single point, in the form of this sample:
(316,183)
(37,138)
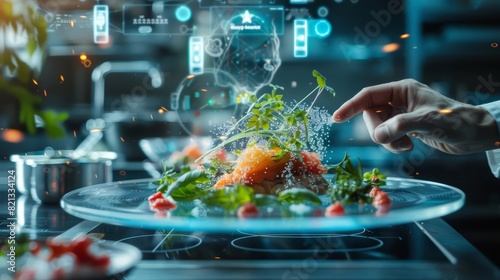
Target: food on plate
(248,210)
(258,168)
(278,163)
(54,259)
(335,209)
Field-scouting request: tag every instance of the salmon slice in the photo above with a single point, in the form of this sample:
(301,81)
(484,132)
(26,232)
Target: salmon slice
(256,164)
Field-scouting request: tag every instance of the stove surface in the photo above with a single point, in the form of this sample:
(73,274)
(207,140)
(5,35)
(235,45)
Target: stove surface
(419,250)
(402,242)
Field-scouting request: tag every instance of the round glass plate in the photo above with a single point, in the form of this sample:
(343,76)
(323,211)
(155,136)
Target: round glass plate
(126,203)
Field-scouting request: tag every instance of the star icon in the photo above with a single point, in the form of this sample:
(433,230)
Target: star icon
(246,17)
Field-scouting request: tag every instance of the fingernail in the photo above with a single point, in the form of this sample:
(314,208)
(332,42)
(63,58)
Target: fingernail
(336,118)
(381,133)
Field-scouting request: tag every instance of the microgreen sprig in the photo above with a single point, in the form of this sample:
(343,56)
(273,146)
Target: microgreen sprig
(269,118)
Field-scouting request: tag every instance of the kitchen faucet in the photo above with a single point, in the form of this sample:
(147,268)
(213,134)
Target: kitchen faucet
(100,72)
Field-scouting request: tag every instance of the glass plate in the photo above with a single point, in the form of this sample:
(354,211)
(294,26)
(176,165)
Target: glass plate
(125,203)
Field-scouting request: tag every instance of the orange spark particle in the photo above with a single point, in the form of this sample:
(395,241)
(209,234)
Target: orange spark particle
(45,92)
(404,36)
(74,133)
(83,57)
(392,47)
(35,82)
(72,23)
(121,139)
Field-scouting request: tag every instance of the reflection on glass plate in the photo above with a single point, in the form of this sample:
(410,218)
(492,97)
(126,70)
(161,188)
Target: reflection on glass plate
(125,203)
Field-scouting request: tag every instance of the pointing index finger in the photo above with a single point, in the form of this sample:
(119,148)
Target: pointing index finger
(379,95)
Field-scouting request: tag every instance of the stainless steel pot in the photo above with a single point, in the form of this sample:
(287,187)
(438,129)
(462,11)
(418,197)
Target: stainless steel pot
(23,171)
(52,177)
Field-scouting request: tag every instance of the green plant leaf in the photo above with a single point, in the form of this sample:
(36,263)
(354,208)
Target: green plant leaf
(187,187)
(320,79)
(229,197)
(23,70)
(299,195)
(32,45)
(53,123)
(265,200)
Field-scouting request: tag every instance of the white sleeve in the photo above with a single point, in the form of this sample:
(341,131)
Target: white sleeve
(494,155)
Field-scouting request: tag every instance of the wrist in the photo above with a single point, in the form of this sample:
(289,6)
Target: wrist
(489,127)
(493,109)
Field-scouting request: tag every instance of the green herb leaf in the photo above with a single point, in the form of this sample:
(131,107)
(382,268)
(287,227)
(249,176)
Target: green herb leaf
(269,119)
(299,195)
(32,45)
(52,123)
(320,79)
(229,197)
(189,186)
(351,185)
(265,200)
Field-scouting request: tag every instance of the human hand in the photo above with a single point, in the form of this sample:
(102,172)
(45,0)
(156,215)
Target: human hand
(394,112)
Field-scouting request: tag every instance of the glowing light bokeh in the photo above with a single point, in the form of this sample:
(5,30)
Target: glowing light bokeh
(391,47)
(12,135)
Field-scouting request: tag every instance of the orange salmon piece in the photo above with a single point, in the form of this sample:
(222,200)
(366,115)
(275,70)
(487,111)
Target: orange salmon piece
(254,165)
(310,164)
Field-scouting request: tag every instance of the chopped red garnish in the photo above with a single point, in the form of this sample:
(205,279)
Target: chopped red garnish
(161,204)
(35,248)
(83,254)
(374,191)
(381,199)
(248,210)
(335,209)
(154,196)
(382,210)
(57,249)
(80,248)
(161,214)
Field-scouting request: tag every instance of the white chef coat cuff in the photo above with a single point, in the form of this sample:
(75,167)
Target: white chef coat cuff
(494,109)
(494,155)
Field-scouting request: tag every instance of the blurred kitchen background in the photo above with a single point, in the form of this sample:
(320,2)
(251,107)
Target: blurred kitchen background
(144,75)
